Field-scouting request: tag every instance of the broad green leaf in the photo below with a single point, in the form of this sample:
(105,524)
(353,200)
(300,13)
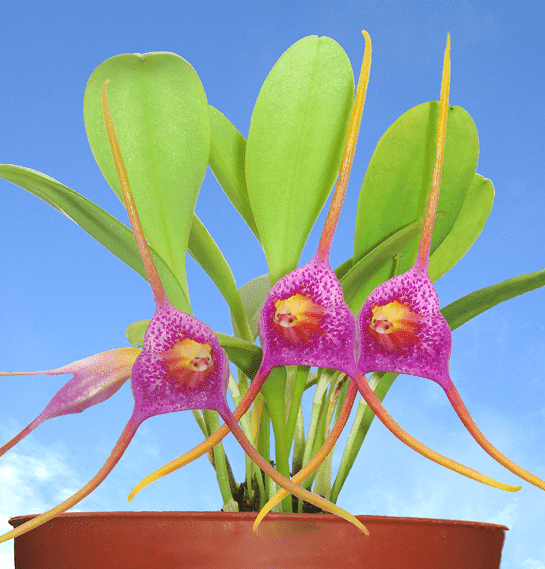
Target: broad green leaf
(344,267)
(253,294)
(106,229)
(245,355)
(205,251)
(467,227)
(460,311)
(355,279)
(162,121)
(397,182)
(295,143)
(227,161)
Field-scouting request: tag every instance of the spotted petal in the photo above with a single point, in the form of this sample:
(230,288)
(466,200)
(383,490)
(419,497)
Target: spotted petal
(322,327)
(410,336)
(158,381)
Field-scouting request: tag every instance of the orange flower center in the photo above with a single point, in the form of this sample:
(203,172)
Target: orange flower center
(394,325)
(187,362)
(298,316)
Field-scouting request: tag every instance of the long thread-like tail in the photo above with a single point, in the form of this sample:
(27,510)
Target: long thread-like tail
(380,411)
(467,420)
(324,246)
(20,436)
(128,199)
(422,258)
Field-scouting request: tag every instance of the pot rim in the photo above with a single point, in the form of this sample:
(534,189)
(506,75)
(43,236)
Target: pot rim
(277,516)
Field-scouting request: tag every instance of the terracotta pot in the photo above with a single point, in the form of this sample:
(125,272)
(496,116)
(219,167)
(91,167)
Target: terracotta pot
(173,540)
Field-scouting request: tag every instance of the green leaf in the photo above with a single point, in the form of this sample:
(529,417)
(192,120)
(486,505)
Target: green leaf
(460,311)
(135,333)
(253,294)
(106,229)
(467,227)
(162,121)
(227,162)
(355,279)
(344,267)
(205,251)
(295,143)
(397,182)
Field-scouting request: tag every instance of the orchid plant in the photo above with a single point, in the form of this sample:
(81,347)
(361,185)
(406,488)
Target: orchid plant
(153,135)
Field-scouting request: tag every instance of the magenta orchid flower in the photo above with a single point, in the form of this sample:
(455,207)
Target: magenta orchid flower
(181,367)
(401,326)
(305,321)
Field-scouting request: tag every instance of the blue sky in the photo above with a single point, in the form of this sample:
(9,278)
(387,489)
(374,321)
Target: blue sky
(64,297)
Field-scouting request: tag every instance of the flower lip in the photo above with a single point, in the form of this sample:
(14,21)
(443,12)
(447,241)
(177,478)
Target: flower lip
(188,363)
(297,310)
(393,317)
(189,355)
(394,325)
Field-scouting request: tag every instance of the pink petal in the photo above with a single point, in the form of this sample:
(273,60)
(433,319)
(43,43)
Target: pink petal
(94,380)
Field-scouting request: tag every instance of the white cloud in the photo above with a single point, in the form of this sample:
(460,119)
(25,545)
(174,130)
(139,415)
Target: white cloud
(506,516)
(34,478)
(26,476)
(528,564)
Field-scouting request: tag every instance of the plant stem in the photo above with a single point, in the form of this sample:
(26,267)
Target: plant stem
(200,421)
(298,388)
(324,378)
(220,464)
(275,398)
(380,383)
(264,449)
